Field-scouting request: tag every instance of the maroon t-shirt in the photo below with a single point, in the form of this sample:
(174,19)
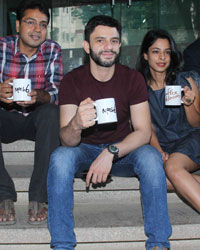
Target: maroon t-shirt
(127,86)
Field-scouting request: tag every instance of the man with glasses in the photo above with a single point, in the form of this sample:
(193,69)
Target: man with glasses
(29,55)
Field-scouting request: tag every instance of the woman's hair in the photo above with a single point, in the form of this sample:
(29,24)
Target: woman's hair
(176,57)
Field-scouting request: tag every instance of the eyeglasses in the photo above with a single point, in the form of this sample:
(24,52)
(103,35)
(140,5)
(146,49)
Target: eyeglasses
(33,24)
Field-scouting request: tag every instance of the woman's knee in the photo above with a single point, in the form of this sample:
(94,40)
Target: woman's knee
(168,168)
(172,171)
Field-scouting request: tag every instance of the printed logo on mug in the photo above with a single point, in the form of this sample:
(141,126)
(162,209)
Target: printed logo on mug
(106,110)
(21,88)
(173,95)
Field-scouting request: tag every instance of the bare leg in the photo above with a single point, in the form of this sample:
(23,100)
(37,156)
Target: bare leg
(170,187)
(197,177)
(178,168)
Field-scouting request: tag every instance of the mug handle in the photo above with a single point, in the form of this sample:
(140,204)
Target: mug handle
(182,89)
(96,119)
(10,98)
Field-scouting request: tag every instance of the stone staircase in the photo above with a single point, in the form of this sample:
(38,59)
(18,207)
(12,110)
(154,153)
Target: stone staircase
(109,217)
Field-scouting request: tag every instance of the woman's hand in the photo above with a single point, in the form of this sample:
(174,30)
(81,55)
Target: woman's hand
(189,96)
(165,156)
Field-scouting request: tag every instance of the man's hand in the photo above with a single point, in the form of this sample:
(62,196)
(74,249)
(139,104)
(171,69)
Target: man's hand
(100,168)
(6,91)
(85,114)
(37,95)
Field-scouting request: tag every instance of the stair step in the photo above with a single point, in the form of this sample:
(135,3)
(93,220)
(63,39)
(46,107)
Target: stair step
(18,158)
(107,217)
(19,146)
(105,220)
(118,183)
(175,245)
(19,171)
(21,177)
(19,152)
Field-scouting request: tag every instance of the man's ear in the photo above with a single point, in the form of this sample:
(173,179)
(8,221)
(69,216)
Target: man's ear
(145,56)
(86,46)
(17,25)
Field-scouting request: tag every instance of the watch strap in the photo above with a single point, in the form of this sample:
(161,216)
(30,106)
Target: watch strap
(113,150)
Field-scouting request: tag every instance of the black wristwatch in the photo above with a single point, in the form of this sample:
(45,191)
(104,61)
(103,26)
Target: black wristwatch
(113,150)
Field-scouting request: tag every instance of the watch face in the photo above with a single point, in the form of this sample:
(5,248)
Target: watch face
(113,149)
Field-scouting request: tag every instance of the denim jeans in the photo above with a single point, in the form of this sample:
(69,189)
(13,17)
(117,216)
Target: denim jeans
(144,162)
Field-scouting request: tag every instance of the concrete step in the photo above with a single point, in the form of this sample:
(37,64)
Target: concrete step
(117,184)
(21,176)
(175,245)
(107,221)
(107,217)
(19,146)
(18,153)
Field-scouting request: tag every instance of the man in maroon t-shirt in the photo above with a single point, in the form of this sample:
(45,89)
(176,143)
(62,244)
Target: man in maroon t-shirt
(109,148)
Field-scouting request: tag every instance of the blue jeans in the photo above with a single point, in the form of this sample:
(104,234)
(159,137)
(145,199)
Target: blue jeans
(145,162)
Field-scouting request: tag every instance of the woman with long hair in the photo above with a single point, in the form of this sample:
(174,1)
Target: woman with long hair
(175,129)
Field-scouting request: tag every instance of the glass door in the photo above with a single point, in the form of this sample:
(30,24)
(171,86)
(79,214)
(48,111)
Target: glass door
(179,17)
(136,18)
(67,27)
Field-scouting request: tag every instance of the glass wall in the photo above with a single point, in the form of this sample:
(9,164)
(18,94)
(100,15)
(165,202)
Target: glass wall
(68,18)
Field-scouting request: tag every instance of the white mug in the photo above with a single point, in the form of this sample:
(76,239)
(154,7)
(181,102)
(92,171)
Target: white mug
(106,110)
(173,95)
(21,88)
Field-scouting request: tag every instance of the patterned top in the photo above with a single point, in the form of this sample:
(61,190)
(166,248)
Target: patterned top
(44,68)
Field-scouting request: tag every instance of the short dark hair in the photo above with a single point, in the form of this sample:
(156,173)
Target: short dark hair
(101,20)
(31,4)
(176,57)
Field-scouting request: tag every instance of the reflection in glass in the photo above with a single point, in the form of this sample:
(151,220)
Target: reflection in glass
(68,18)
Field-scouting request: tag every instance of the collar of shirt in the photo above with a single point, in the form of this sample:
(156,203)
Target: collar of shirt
(17,50)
